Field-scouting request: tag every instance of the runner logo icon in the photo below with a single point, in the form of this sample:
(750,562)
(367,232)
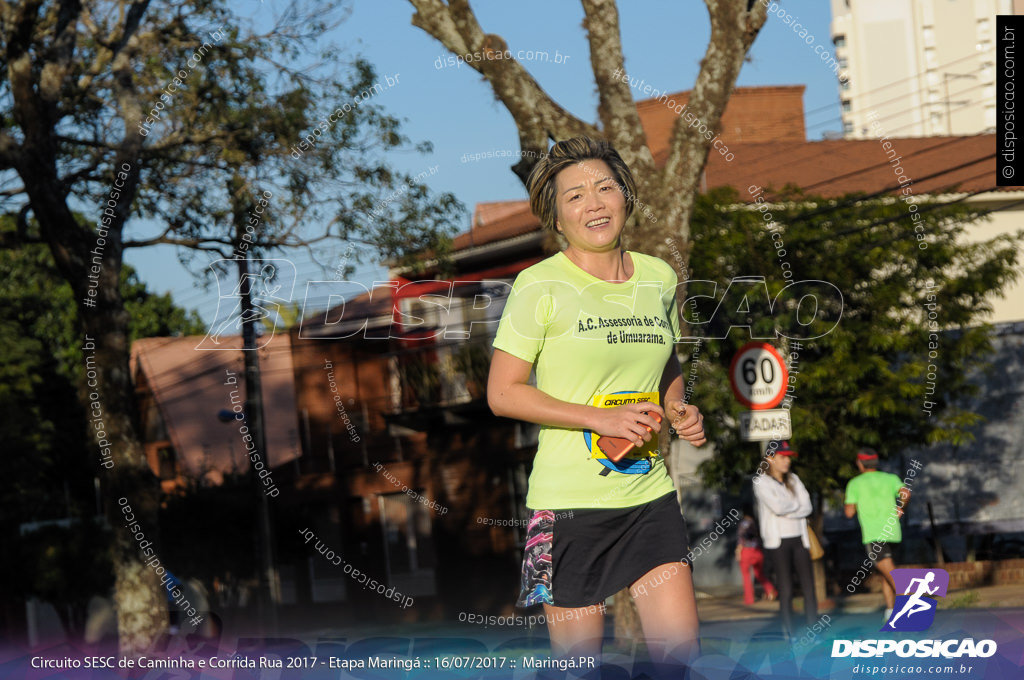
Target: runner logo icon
(269,285)
(915,608)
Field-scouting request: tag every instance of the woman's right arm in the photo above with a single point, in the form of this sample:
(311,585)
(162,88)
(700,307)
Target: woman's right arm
(509,394)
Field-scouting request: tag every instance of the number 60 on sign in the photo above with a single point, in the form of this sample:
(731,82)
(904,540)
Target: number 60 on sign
(758,376)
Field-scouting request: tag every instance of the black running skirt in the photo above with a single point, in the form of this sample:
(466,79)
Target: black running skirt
(578,558)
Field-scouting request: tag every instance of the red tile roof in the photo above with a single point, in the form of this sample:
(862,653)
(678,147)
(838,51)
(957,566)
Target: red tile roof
(833,168)
(753,114)
(828,168)
(496,222)
(764,131)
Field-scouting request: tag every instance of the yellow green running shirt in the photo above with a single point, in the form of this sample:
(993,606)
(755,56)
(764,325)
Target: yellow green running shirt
(597,343)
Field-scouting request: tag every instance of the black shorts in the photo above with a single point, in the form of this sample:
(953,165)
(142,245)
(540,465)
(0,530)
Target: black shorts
(879,550)
(578,558)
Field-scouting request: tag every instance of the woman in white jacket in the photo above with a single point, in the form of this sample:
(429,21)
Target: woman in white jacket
(783,505)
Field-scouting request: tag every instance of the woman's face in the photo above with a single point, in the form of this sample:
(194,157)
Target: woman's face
(589,207)
(779,463)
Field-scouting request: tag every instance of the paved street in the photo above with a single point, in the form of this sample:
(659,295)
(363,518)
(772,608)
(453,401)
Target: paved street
(735,640)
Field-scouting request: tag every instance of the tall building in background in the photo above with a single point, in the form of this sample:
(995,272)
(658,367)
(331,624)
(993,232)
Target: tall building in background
(926,67)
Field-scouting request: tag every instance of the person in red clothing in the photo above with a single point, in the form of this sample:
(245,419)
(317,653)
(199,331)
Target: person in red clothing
(751,557)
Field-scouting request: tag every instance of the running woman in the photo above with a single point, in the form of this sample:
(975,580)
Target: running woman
(598,324)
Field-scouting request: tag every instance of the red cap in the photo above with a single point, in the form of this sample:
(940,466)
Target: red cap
(867,454)
(783,448)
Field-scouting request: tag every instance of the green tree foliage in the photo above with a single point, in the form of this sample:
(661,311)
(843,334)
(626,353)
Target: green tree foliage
(50,458)
(152,315)
(181,113)
(864,382)
(309,140)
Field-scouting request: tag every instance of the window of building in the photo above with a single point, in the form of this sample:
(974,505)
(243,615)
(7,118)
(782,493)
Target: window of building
(839,41)
(844,85)
(847,128)
(846,106)
(844,62)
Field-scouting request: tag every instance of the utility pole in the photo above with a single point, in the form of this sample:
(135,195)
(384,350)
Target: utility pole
(267,600)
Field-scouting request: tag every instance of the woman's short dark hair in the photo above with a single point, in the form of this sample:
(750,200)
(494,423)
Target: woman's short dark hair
(541,183)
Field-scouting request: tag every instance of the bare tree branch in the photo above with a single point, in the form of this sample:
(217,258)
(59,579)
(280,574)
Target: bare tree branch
(193,243)
(616,107)
(538,118)
(669,191)
(733,30)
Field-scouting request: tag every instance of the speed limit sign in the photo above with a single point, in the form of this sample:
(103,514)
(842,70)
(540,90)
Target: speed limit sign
(758,376)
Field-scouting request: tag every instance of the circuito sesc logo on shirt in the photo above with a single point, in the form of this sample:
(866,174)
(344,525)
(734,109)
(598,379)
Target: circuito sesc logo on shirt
(637,461)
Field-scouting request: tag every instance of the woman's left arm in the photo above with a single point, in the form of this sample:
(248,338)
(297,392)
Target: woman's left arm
(686,419)
(804,499)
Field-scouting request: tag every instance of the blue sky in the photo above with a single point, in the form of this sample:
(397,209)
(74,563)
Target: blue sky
(455,109)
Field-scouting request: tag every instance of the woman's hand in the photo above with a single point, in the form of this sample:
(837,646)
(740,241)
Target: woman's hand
(627,421)
(686,421)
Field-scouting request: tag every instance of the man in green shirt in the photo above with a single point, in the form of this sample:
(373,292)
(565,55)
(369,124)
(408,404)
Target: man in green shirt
(872,497)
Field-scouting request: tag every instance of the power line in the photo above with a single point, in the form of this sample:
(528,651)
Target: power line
(904,127)
(884,163)
(896,82)
(978,214)
(854,230)
(916,108)
(815,152)
(908,110)
(845,204)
